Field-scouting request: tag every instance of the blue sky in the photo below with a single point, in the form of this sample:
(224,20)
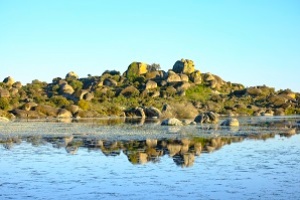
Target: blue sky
(253,42)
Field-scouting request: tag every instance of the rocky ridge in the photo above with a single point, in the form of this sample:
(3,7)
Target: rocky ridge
(144,91)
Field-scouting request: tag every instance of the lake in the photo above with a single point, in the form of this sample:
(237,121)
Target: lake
(113,159)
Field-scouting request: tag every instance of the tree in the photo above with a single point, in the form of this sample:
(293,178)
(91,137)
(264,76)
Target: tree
(153,67)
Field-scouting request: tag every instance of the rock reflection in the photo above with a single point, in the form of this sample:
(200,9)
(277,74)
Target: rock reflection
(183,151)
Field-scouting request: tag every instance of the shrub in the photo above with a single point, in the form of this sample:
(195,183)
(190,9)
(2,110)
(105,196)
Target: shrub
(292,111)
(4,103)
(59,101)
(76,84)
(198,93)
(83,104)
(153,67)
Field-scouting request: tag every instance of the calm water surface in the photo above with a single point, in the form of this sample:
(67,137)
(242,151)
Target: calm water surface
(87,161)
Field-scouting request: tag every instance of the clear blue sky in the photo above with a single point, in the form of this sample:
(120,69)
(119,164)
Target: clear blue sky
(253,42)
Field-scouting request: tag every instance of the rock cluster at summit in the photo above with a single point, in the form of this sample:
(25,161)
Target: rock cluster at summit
(144,91)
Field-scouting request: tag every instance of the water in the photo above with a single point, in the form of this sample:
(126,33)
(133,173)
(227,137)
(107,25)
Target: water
(50,160)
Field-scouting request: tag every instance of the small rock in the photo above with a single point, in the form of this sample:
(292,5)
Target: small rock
(208,117)
(63,113)
(4,119)
(231,122)
(171,122)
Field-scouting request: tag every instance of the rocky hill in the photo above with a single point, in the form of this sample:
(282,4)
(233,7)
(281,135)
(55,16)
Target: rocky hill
(143,91)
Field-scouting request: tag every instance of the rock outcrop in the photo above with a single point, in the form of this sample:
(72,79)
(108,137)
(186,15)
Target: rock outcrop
(9,81)
(72,75)
(136,69)
(188,91)
(184,66)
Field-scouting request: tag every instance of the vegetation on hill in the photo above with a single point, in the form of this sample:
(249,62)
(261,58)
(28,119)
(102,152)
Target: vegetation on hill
(142,91)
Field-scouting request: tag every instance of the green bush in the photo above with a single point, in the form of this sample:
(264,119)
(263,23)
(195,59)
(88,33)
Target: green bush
(76,84)
(198,93)
(83,104)
(59,101)
(4,103)
(292,111)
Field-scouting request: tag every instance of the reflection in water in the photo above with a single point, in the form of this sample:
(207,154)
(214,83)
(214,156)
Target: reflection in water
(182,151)
(182,144)
(37,161)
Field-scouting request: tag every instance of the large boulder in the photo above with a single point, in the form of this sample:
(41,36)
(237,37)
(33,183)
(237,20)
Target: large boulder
(213,81)
(207,117)
(171,122)
(4,93)
(64,113)
(183,86)
(73,109)
(184,77)
(9,81)
(136,69)
(72,75)
(111,72)
(14,91)
(66,89)
(130,91)
(88,96)
(184,66)
(30,105)
(46,110)
(195,77)
(32,114)
(151,85)
(173,77)
(137,112)
(152,112)
(4,119)
(277,100)
(156,75)
(110,82)
(17,85)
